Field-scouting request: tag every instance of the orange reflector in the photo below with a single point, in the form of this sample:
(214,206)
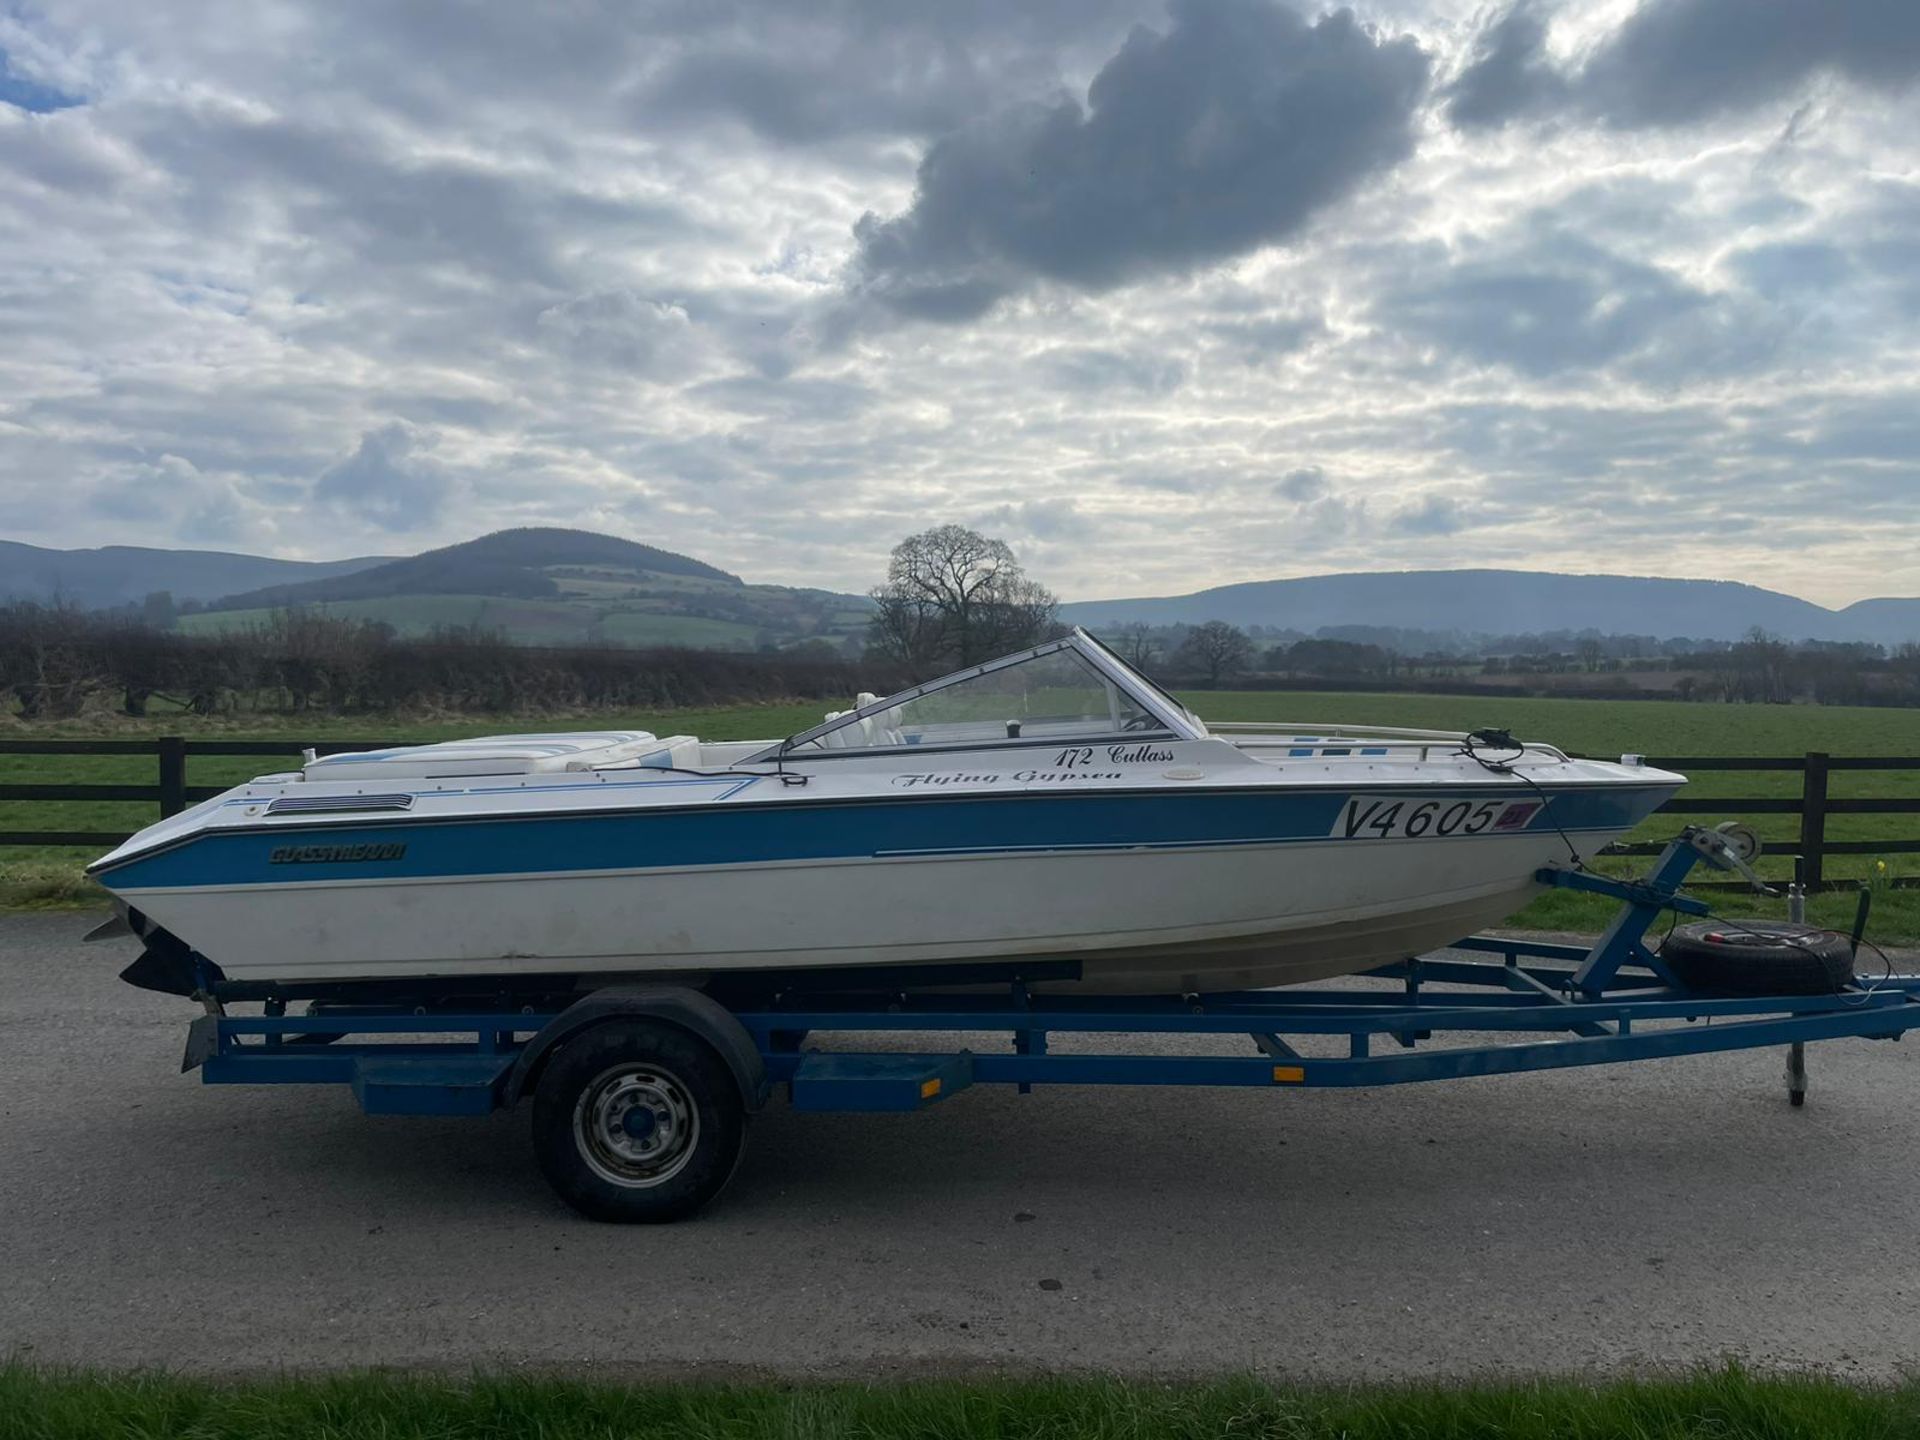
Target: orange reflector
(929,1089)
(1289,1074)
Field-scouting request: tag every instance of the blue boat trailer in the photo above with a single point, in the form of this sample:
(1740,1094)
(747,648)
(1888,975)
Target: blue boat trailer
(640,1092)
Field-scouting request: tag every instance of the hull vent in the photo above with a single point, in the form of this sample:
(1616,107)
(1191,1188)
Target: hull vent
(337,804)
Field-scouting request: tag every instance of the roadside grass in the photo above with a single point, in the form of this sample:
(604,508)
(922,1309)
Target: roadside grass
(1726,1404)
(47,885)
(1595,727)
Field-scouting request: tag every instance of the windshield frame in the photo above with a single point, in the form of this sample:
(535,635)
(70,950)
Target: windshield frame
(1173,718)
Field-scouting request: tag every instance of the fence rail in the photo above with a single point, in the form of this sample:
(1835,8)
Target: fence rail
(170,792)
(1815,805)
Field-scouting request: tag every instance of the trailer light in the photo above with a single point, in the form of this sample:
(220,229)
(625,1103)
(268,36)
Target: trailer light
(929,1089)
(1289,1074)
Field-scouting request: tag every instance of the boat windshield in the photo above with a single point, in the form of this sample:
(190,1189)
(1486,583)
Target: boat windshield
(1052,694)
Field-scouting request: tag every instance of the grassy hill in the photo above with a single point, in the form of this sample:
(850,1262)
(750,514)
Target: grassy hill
(558,587)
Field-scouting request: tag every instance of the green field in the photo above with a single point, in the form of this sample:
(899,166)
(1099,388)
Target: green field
(641,629)
(1723,1405)
(543,622)
(1604,728)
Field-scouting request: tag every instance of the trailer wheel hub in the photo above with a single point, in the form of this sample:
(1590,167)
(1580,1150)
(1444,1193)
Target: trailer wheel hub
(636,1125)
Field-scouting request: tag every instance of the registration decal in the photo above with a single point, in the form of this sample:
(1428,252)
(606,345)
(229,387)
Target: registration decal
(1412,817)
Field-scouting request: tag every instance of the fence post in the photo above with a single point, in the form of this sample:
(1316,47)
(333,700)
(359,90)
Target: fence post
(173,775)
(1813,820)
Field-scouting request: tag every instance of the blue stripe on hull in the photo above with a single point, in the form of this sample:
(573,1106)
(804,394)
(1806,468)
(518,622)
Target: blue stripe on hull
(761,834)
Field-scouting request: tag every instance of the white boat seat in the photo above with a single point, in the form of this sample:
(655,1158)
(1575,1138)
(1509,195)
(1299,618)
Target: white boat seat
(540,754)
(676,752)
(864,733)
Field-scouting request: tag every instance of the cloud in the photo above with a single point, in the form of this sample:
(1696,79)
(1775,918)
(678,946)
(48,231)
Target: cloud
(1679,62)
(1094,368)
(383,482)
(1540,305)
(824,71)
(174,493)
(1510,73)
(1430,515)
(1300,486)
(625,330)
(1255,340)
(1038,520)
(1227,132)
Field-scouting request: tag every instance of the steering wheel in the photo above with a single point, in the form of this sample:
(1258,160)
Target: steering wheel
(1141,722)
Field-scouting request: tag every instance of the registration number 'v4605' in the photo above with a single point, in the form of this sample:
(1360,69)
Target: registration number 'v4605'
(1415,817)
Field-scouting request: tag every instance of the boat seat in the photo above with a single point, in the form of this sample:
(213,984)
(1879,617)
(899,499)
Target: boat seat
(862,734)
(676,752)
(539,754)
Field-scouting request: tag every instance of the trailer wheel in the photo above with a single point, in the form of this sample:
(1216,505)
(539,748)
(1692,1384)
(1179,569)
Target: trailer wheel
(637,1121)
(1757,957)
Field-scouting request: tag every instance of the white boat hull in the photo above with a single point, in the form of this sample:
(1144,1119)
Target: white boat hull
(1139,920)
(1052,805)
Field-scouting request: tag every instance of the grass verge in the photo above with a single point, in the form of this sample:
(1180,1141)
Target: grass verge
(48,885)
(1725,1404)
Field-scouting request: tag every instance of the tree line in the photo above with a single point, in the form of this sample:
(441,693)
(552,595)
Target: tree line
(1757,669)
(57,663)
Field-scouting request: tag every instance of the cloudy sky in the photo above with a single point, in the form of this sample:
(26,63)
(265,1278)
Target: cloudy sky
(1165,294)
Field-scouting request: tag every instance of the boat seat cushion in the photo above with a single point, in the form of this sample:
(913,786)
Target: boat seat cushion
(676,752)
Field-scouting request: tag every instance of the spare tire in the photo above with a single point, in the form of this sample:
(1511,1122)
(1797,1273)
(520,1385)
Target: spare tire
(1758,957)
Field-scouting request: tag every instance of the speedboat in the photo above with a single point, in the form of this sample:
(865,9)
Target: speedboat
(1054,809)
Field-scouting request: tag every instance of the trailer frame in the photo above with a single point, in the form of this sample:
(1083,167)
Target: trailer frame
(1442,1018)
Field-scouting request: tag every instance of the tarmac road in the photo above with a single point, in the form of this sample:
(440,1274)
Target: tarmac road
(1674,1211)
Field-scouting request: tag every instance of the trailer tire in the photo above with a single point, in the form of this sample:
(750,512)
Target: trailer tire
(1758,957)
(637,1122)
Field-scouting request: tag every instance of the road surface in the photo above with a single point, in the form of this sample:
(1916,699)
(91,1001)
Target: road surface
(1674,1211)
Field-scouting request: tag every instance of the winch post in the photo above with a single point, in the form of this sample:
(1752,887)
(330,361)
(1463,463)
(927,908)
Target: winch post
(1623,942)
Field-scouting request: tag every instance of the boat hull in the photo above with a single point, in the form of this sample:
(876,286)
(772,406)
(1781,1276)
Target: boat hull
(1138,918)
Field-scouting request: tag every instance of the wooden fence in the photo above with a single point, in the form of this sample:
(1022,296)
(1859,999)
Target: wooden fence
(170,790)
(1815,806)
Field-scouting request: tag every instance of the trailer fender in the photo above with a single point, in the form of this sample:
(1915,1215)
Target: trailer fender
(698,1014)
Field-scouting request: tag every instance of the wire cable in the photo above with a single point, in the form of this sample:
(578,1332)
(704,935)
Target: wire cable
(1503,764)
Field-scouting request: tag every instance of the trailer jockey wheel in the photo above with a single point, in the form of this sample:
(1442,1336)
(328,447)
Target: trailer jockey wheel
(637,1121)
(1758,957)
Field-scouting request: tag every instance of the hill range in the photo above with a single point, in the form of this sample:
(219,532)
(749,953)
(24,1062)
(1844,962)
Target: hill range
(1511,602)
(116,575)
(558,586)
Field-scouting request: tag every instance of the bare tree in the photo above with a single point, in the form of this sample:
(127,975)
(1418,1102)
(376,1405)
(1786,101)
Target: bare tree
(1216,649)
(1136,644)
(954,597)
(48,659)
(1760,665)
